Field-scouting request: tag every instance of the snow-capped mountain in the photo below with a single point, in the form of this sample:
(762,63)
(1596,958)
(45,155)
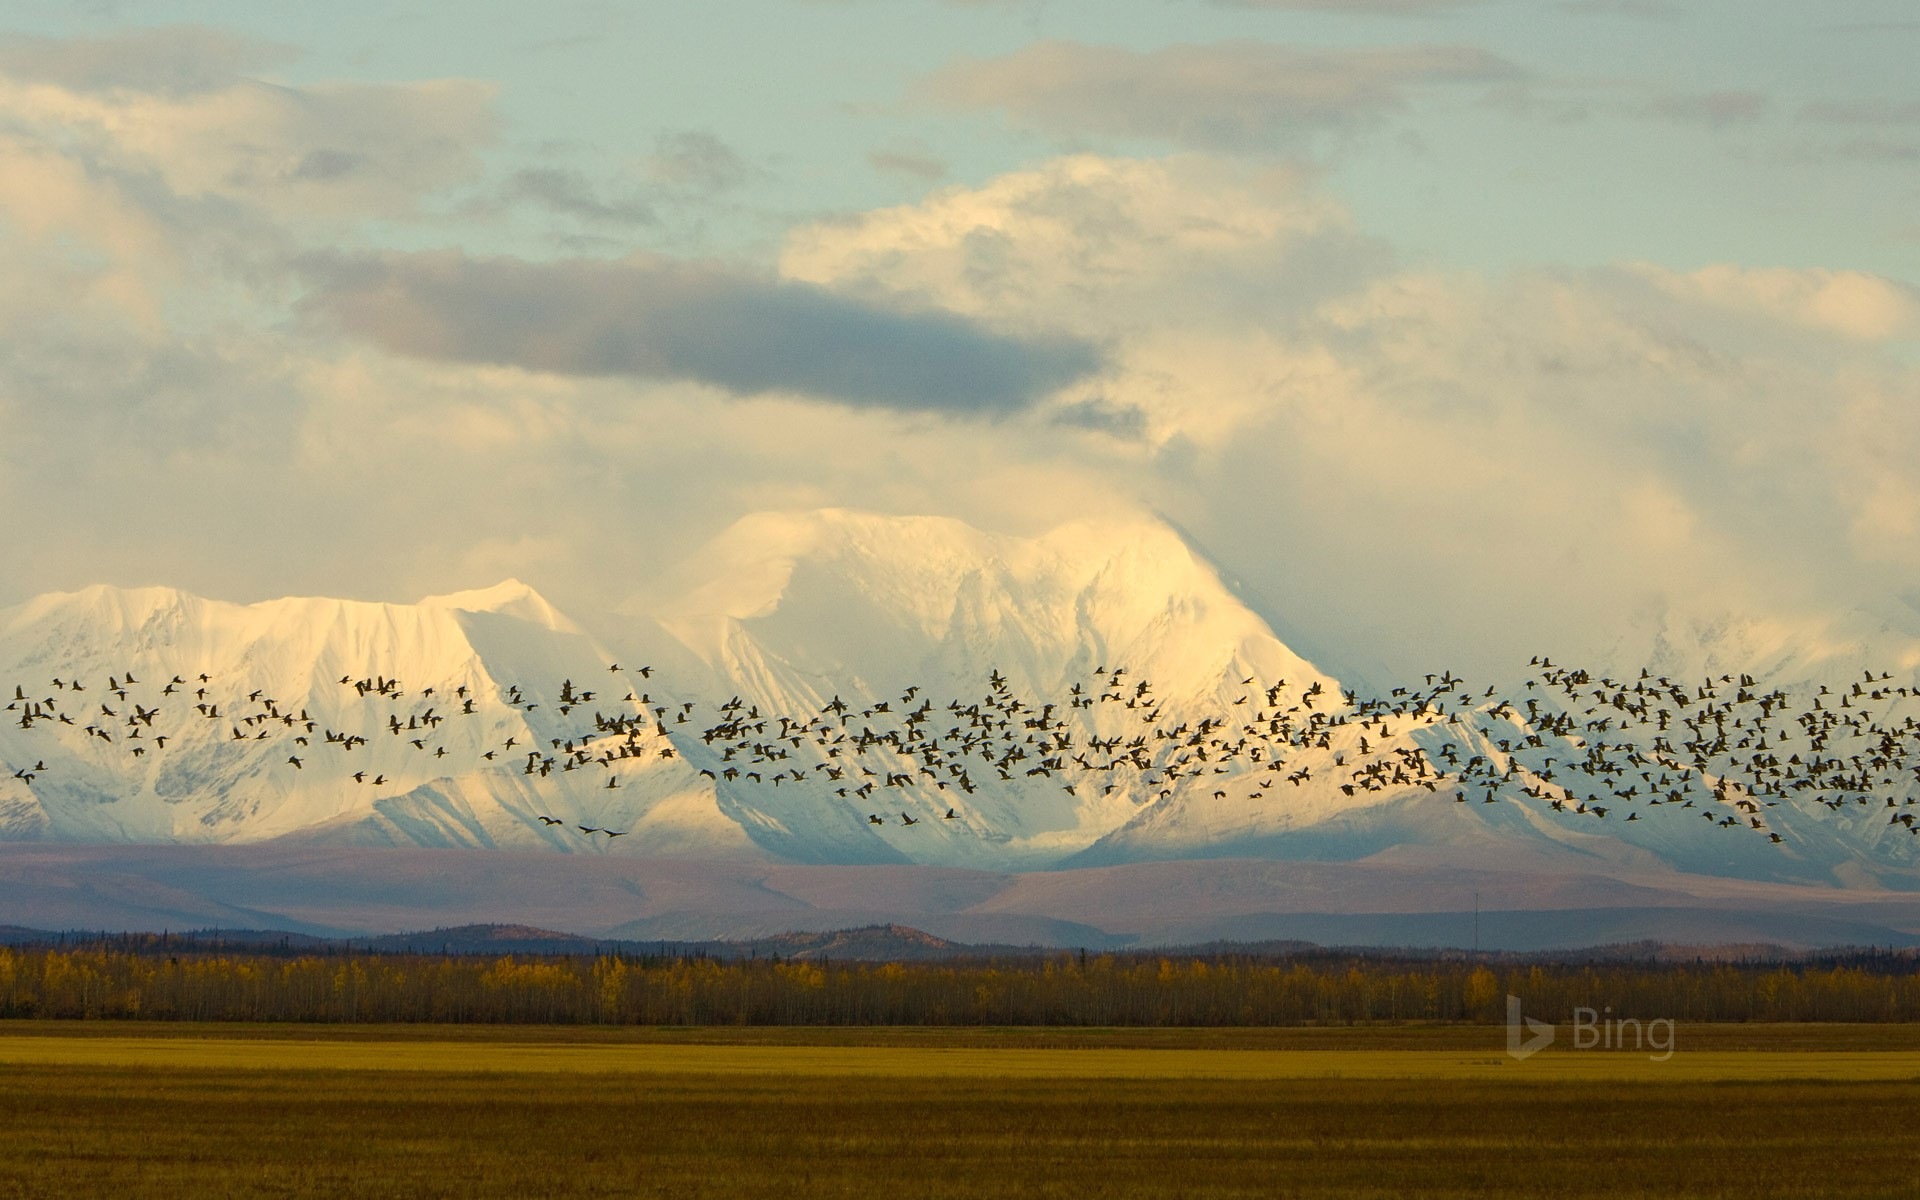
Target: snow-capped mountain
(150,715)
(796,601)
(790,610)
(829,687)
(1788,651)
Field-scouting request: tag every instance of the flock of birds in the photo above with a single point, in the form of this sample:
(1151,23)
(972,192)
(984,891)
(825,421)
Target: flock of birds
(1725,749)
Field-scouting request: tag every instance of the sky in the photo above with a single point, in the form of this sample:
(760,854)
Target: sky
(1453,329)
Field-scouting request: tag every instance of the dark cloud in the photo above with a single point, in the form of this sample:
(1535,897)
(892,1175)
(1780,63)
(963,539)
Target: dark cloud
(175,60)
(695,161)
(1123,421)
(689,172)
(326,165)
(1241,95)
(660,319)
(571,194)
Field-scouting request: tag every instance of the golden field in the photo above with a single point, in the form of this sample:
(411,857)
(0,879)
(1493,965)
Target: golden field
(148,1110)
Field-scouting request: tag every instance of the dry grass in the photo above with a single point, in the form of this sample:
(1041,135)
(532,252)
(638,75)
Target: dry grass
(482,1116)
(439,1056)
(1797,1036)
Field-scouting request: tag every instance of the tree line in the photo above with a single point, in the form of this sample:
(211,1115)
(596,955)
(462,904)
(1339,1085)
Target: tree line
(1099,990)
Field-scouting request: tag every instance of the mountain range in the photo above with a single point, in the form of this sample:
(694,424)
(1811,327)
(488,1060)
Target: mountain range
(490,720)
(783,612)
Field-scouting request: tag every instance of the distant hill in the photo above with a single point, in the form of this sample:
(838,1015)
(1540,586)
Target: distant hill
(873,943)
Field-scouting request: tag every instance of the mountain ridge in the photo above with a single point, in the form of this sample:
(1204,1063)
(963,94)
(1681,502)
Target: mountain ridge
(887,678)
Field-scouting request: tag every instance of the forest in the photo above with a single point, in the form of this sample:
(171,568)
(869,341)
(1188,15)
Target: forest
(104,982)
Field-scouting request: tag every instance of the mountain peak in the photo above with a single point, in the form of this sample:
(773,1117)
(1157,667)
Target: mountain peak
(129,604)
(901,598)
(510,598)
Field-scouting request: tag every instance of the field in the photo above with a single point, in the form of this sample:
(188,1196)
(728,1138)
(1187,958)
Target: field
(153,1111)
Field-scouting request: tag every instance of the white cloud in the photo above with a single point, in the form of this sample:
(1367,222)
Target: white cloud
(327,149)
(173,60)
(1854,304)
(175,106)
(1230,96)
(1415,460)
(150,195)
(1185,268)
(50,203)
(1094,244)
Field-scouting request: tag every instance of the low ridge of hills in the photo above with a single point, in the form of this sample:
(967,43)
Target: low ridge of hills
(871,943)
(881,944)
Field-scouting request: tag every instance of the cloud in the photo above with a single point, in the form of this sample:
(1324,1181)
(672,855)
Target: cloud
(694,161)
(1104,246)
(163,420)
(1231,96)
(686,176)
(1102,417)
(1431,464)
(1716,109)
(174,60)
(1532,459)
(187,119)
(75,229)
(570,193)
(650,318)
(1191,269)
(1433,467)
(1853,304)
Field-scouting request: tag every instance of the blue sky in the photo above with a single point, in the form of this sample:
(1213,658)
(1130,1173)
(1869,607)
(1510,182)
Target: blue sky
(1591,155)
(1644,271)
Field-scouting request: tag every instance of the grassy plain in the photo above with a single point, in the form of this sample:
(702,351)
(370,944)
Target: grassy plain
(434,1111)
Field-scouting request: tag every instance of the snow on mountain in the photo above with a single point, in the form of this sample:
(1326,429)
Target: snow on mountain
(148,714)
(790,610)
(798,599)
(785,611)
(837,687)
(1693,643)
